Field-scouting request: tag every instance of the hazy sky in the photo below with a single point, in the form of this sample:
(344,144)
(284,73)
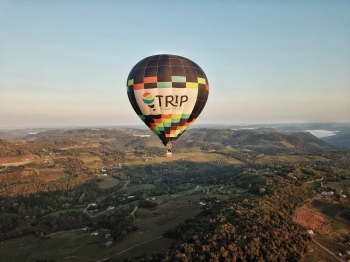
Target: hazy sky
(66,62)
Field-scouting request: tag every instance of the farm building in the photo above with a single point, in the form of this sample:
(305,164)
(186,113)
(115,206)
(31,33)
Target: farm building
(329,193)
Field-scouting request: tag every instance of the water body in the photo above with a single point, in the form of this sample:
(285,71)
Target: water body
(322,133)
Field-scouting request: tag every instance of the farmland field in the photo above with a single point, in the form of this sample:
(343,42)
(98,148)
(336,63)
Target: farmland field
(63,211)
(340,185)
(151,224)
(317,254)
(133,188)
(313,185)
(320,215)
(108,182)
(328,208)
(290,158)
(190,156)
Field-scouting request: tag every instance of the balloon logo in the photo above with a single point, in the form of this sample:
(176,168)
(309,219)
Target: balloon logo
(168,93)
(148,98)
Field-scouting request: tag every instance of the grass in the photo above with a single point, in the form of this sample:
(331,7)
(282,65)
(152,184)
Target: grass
(191,156)
(63,211)
(290,158)
(17,251)
(108,182)
(133,188)
(340,185)
(151,224)
(328,208)
(149,247)
(317,254)
(331,243)
(313,185)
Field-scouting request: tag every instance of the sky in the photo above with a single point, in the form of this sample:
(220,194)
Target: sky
(65,63)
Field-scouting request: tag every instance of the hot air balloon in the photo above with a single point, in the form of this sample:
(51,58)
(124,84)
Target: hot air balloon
(168,92)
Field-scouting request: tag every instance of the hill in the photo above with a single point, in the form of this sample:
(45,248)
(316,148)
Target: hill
(262,141)
(341,139)
(12,134)
(223,195)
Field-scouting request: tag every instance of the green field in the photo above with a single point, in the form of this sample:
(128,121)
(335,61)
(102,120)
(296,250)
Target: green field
(133,188)
(290,158)
(196,156)
(108,182)
(313,185)
(317,254)
(339,185)
(328,208)
(63,211)
(150,225)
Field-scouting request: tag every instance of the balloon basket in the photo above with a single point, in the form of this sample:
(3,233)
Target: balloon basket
(169,153)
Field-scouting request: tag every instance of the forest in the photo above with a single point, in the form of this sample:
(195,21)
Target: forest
(249,185)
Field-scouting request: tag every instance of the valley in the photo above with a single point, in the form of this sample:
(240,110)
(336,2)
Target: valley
(105,194)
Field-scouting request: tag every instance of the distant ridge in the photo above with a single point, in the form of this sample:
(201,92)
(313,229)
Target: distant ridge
(341,139)
(261,141)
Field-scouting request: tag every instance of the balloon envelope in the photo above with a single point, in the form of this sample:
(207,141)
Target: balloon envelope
(168,93)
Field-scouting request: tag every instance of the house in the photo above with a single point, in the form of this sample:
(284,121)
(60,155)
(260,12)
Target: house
(153,198)
(202,203)
(94,233)
(310,231)
(329,193)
